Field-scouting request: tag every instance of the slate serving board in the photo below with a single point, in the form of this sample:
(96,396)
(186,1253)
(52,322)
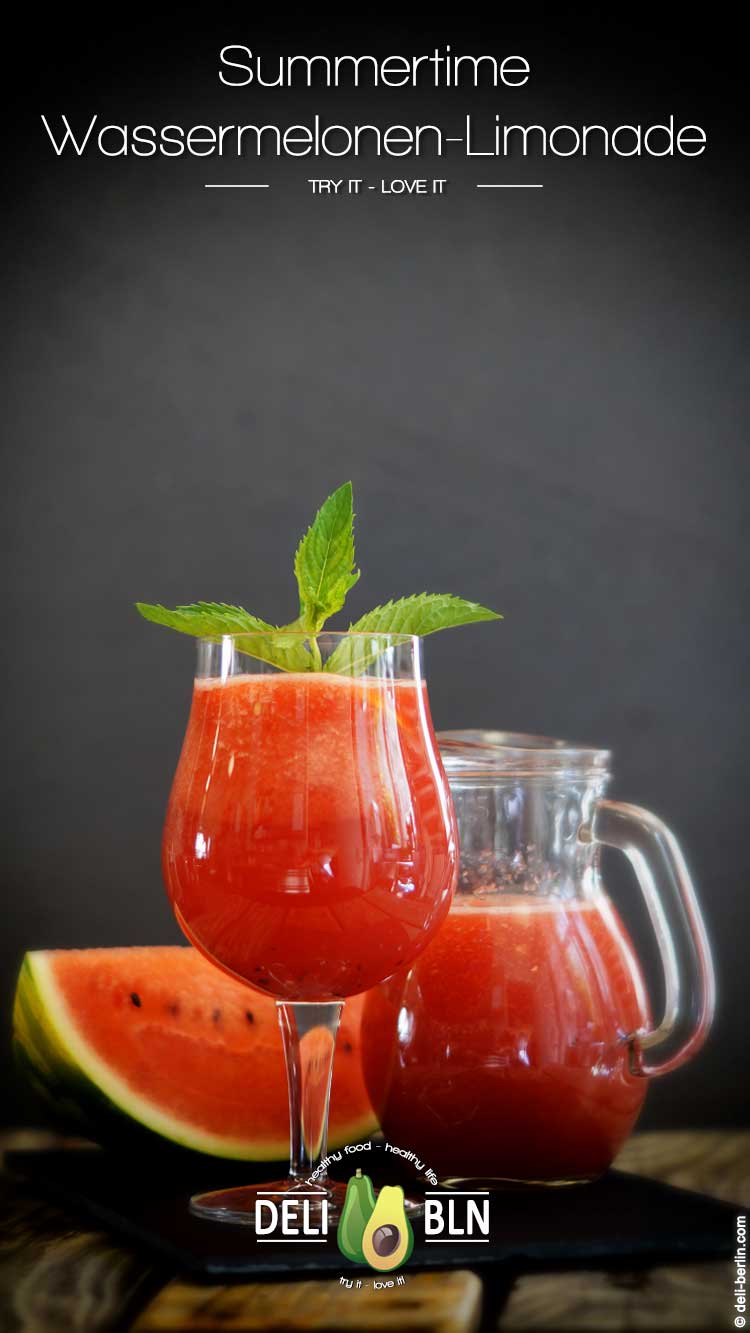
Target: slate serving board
(618,1219)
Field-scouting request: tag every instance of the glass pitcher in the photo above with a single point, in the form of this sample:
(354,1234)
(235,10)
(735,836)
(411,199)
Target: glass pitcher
(519,1046)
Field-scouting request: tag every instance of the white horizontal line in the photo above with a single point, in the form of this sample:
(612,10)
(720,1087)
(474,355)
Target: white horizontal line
(294,1240)
(292,1194)
(449,1191)
(456,1240)
(510,187)
(243,186)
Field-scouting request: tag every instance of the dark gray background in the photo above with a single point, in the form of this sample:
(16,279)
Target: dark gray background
(540,398)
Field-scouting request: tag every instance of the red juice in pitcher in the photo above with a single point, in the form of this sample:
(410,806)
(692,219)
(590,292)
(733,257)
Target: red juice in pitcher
(519,1045)
(503,1052)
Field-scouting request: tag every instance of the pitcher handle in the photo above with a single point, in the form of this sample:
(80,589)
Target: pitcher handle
(664,880)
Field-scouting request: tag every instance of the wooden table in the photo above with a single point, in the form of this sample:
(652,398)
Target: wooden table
(56,1276)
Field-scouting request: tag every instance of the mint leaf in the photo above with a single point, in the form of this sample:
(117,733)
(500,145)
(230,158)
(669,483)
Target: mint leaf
(211,620)
(206,620)
(423,613)
(324,562)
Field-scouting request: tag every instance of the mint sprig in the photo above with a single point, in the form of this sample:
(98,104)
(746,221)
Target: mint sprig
(325,571)
(324,562)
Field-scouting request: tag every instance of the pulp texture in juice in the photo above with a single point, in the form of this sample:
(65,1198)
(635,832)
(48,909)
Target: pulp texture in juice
(309,844)
(503,1051)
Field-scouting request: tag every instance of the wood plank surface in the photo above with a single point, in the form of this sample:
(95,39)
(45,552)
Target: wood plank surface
(684,1296)
(688,1297)
(715,1162)
(58,1276)
(431,1302)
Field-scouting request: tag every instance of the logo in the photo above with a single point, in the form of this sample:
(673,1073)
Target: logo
(376,1227)
(374,1230)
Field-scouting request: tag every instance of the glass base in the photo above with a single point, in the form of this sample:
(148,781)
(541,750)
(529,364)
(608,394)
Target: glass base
(238,1205)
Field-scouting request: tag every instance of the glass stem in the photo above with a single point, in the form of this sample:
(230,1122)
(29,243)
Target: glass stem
(309,1035)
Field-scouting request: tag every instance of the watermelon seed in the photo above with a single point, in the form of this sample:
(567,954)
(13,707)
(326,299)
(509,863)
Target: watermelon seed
(173,1008)
(216,1016)
(135,997)
(347,1046)
(249,1015)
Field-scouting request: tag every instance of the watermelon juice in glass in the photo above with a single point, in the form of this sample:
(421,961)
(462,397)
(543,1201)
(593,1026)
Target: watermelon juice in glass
(309,847)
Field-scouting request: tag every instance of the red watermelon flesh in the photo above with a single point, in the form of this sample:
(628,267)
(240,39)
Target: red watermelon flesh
(161,1035)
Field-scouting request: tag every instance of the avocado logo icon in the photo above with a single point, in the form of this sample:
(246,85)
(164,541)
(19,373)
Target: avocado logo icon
(375,1232)
(359,1205)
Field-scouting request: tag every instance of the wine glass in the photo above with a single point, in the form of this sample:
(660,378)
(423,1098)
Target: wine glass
(309,848)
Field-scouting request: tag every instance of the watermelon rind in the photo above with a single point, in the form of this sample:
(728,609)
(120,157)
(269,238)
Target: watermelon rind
(83,1089)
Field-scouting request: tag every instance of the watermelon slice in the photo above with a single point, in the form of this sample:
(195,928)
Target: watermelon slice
(159,1037)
